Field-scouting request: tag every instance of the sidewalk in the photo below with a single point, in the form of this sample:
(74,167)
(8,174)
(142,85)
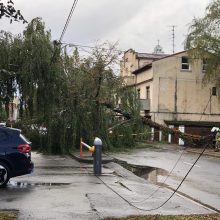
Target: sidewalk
(136,187)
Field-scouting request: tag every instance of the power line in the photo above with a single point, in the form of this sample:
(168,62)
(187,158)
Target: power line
(123,51)
(68,19)
(152,209)
(181,154)
(91,47)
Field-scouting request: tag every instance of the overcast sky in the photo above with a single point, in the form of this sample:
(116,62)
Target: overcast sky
(136,24)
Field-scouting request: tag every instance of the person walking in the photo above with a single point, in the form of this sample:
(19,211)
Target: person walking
(217,141)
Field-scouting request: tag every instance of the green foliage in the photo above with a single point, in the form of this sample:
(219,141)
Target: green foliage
(8,214)
(203,41)
(3,116)
(64,92)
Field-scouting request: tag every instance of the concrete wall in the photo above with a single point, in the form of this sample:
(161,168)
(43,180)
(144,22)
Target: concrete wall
(131,62)
(180,94)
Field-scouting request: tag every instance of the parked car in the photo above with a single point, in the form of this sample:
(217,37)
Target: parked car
(15,155)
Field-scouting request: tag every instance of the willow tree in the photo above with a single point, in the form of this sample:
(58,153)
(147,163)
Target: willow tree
(90,82)
(39,74)
(203,41)
(92,85)
(65,93)
(9,53)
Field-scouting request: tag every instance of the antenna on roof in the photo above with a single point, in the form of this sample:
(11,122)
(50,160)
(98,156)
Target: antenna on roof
(173,37)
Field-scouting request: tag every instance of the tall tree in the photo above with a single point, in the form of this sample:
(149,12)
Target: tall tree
(203,41)
(64,92)
(9,52)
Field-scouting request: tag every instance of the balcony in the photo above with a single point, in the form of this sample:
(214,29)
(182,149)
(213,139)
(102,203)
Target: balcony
(145,104)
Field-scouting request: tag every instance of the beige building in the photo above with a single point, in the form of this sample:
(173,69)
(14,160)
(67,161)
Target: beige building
(132,61)
(171,92)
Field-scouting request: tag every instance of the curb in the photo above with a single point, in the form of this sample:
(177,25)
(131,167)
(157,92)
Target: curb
(205,153)
(89,159)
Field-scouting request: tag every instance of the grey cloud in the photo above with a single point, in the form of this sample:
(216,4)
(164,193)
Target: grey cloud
(137,24)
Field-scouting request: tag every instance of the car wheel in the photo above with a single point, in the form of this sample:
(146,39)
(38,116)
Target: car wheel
(4,175)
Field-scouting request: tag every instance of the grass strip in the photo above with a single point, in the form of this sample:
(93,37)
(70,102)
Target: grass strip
(170,217)
(8,214)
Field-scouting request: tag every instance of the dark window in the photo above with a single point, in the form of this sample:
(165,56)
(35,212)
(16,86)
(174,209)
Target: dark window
(204,65)
(148,92)
(214,91)
(139,93)
(185,63)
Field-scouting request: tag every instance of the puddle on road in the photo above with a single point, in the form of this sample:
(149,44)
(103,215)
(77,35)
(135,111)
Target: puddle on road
(15,184)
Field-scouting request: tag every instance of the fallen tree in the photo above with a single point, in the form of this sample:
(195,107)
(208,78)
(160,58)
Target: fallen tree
(190,139)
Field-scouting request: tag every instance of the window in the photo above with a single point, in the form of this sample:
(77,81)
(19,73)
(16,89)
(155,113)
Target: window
(214,91)
(185,63)
(204,65)
(139,93)
(148,92)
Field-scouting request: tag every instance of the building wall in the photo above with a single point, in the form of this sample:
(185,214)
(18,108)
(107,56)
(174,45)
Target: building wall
(180,94)
(177,95)
(128,64)
(132,61)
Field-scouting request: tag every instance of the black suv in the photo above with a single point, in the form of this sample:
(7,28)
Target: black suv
(15,155)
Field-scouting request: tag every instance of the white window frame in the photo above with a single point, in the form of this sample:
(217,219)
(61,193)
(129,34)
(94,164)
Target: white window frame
(185,63)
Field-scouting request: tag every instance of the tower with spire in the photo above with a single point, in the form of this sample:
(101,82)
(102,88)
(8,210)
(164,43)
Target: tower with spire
(158,49)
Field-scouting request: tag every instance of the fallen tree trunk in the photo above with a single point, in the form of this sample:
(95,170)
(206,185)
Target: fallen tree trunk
(189,139)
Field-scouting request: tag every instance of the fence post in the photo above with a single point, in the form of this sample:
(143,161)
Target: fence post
(97,161)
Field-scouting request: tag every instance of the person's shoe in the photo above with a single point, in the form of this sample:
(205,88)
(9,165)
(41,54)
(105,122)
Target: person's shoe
(216,150)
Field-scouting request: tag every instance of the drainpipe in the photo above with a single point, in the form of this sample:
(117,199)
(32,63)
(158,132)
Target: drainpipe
(175,97)
(135,85)
(158,100)
(175,101)
(210,101)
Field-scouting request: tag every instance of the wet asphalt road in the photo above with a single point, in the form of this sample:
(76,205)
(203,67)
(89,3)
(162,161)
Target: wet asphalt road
(203,182)
(62,188)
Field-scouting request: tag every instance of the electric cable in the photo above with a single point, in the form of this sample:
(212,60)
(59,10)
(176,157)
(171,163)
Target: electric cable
(68,19)
(121,51)
(158,188)
(152,209)
(155,191)
(205,107)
